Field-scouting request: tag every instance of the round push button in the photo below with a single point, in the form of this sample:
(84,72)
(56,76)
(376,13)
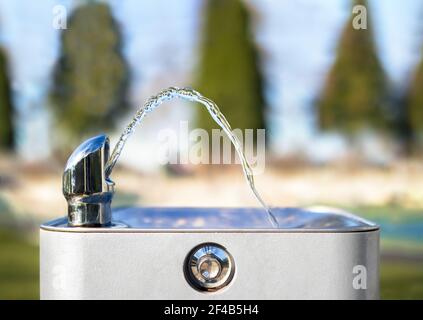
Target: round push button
(209,267)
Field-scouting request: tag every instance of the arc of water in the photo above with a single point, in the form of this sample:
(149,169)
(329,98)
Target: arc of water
(190,95)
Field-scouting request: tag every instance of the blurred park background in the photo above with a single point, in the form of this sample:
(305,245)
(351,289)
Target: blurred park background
(342,108)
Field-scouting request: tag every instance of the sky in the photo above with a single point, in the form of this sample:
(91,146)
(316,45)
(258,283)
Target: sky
(160,43)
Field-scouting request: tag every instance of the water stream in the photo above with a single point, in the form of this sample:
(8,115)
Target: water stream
(190,95)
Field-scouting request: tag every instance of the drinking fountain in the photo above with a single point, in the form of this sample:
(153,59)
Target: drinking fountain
(100,252)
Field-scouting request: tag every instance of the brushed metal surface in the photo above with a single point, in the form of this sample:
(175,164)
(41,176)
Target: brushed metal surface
(312,255)
(150,265)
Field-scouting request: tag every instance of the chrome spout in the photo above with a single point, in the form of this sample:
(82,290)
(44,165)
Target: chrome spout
(86,187)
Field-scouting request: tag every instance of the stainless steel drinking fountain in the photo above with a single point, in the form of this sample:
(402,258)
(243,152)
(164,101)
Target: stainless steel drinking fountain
(198,253)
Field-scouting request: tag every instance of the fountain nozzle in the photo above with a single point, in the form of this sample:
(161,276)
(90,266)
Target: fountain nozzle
(86,187)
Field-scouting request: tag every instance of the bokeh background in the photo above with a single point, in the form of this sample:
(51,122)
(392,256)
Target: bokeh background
(342,108)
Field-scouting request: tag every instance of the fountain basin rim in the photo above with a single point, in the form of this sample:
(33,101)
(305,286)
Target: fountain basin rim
(232,220)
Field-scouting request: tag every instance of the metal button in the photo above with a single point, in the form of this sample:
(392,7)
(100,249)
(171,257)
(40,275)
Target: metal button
(209,267)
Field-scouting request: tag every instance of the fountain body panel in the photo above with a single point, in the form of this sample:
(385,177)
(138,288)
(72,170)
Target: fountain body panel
(312,255)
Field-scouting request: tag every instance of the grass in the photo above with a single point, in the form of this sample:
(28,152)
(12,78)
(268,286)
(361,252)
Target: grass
(19,272)
(18,267)
(391,213)
(401,280)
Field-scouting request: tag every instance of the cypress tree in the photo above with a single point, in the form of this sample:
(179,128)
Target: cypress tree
(355,93)
(6,107)
(228,71)
(415,104)
(91,76)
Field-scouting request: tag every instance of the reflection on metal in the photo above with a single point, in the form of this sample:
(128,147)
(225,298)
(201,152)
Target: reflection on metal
(209,267)
(226,219)
(86,188)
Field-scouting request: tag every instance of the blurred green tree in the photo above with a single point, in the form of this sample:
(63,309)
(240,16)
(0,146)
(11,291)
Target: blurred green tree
(91,76)
(414,102)
(6,106)
(355,94)
(228,70)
